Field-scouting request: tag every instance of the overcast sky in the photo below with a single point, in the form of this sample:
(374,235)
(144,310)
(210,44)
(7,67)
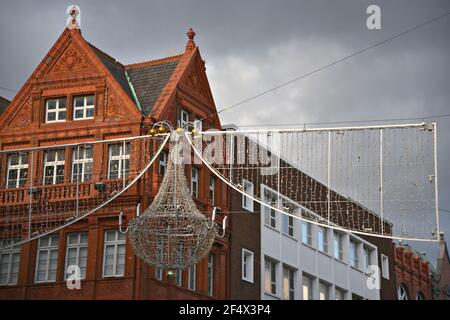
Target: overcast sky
(251,46)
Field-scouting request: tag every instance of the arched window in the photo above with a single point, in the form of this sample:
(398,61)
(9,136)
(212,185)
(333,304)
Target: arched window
(402,292)
(420,296)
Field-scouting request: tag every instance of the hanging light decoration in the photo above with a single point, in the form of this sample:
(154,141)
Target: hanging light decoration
(172,233)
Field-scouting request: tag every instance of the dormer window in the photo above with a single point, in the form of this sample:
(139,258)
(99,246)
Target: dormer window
(55,110)
(184,119)
(83,107)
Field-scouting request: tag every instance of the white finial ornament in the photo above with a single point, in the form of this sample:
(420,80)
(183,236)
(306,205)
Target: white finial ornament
(74,19)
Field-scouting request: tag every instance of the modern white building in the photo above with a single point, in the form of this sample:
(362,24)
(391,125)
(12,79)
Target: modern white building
(301,260)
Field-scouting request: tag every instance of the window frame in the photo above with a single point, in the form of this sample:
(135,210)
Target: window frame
(54,164)
(308,240)
(79,245)
(368,257)
(49,249)
(192,277)
(290,282)
(341,291)
(272,275)
(122,157)
(327,290)
(19,167)
(212,190)
(115,243)
(385,267)
(322,242)
(354,260)
(158,273)
(85,107)
(57,110)
(179,277)
(290,225)
(247,269)
(81,162)
(162,167)
(270,215)
(195,182)
(339,239)
(183,122)
(247,201)
(198,124)
(309,287)
(210,272)
(9,255)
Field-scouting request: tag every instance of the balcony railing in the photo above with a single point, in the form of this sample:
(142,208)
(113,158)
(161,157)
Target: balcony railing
(61,192)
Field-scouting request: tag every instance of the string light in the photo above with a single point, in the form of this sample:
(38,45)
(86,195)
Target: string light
(36,209)
(370,180)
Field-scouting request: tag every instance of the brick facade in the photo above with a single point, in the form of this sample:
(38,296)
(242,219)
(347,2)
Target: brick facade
(412,271)
(160,89)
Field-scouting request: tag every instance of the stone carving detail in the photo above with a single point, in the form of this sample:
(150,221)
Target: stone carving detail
(115,109)
(70,60)
(23,118)
(194,82)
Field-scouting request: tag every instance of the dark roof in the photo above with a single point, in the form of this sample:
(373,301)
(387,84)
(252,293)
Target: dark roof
(4,103)
(116,69)
(149,80)
(142,81)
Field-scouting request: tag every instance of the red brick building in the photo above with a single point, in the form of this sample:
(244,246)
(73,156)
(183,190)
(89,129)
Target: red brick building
(120,101)
(440,277)
(413,274)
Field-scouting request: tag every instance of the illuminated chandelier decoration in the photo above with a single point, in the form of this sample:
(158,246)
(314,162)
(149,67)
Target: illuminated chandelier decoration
(172,233)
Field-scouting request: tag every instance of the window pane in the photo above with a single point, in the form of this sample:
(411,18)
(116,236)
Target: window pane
(13,174)
(50,156)
(89,112)
(110,235)
(121,236)
(44,241)
(23,174)
(14,159)
(84,238)
(54,241)
(51,104)
(61,155)
(79,113)
(114,150)
(90,100)
(62,115)
(79,101)
(51,116)
(307,289)
(72,238)
(24,158)
(62,103)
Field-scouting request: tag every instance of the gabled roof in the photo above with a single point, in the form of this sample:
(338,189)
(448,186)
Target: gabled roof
(149,86)
(149,79)
(3,104)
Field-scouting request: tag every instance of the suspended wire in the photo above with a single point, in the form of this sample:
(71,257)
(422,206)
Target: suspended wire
(444,210)
(348,121)
(7,89)
(329,65)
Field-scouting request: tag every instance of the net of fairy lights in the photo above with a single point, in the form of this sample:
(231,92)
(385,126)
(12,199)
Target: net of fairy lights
(371,180)
(172,233)
(47,188)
